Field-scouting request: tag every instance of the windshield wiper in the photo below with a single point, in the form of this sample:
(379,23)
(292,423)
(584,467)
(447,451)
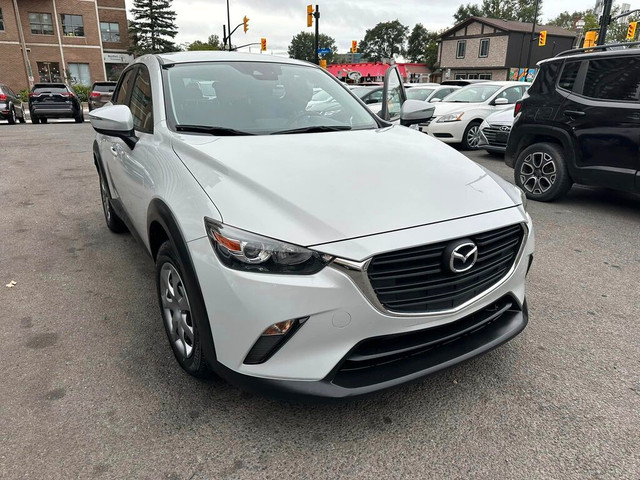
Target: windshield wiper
(221,131)
(314,129)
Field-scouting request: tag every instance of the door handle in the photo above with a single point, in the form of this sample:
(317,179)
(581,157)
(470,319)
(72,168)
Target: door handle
(114,150)
(574,113)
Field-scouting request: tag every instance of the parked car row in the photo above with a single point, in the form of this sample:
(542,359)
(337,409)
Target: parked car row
(51,100)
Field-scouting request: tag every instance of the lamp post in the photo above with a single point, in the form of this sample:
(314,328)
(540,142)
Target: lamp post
(580,29)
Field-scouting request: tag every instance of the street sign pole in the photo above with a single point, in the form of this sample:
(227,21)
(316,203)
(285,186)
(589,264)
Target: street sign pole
(605,20)
(316,14)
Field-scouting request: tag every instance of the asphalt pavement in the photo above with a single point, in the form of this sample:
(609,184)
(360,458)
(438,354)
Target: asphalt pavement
(90,388)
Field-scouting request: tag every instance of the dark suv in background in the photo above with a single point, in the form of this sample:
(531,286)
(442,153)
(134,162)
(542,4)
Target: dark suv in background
(579,123)
(54,100)
(101,93)
(10,106)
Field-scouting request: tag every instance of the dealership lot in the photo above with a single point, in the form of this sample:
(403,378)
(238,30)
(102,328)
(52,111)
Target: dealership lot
(91,390)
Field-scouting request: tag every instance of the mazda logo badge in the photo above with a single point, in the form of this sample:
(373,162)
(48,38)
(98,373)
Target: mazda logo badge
(462,256)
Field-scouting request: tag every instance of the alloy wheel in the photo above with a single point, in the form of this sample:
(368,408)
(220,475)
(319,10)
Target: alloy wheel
(104,193)
(473,136)
(176,309)
(538,173)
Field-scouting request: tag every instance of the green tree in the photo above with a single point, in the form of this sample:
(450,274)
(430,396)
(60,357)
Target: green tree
(385,40)
(431,50)
(568,20)
(212,43)
(153,28)
(422,46)
(519,10)
(302,46)
(466,11)
(617,31)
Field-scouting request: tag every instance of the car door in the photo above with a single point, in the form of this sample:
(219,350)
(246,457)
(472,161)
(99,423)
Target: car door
(393,95)
(111,147)
(603,112)
(135,162)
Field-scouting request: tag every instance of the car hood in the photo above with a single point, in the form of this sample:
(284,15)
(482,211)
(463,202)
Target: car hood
(317,188)
(444,108)
(504,117)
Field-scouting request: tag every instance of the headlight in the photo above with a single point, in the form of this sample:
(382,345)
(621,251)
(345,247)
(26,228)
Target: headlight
(523,198)
(452,117)
(249,252)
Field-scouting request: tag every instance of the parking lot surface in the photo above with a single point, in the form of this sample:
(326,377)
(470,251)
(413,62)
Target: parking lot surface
(90,388)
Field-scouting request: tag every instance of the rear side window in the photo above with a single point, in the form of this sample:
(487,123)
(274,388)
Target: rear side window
(125,86)
(613,79)
(569,75)
(140,104)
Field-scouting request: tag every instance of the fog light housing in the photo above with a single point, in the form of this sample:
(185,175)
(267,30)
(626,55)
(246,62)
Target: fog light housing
(272,339)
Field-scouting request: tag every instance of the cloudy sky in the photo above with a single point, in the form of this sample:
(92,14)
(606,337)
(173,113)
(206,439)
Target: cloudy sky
(345,20)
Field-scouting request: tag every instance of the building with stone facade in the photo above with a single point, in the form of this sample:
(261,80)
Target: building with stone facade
(490,49)
(73,41)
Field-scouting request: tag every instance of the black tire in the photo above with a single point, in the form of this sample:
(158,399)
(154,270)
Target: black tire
(80,118)
(12,116)
(35,120)
(43,120)
(114,222)
(473,129)
(188,352)
(541,172)
(22,119)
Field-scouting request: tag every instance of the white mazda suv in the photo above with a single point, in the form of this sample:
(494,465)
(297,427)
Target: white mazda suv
(302,252)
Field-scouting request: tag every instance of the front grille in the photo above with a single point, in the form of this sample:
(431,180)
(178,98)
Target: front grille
(382,359)
(417,279)
(495,136)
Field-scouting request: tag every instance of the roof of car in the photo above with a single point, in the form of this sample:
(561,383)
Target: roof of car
(580,53)
(223,56)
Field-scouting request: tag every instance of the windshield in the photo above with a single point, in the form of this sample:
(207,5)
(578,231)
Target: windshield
(472,94)
(362,91)
(260,98)
(419,93)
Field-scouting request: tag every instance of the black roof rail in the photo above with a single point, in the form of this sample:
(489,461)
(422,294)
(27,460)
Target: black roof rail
(598,48)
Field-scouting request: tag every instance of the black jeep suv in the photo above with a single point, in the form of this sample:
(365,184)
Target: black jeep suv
(579,122)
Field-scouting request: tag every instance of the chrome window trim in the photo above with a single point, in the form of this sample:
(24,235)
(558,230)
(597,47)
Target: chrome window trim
(357,273)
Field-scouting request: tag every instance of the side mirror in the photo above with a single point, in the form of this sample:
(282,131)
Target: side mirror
(435,100)
(115,121)
(501,101)
(415,111)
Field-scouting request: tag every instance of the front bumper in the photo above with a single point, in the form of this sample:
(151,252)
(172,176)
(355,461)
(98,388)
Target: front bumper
(242,305)
(447,132)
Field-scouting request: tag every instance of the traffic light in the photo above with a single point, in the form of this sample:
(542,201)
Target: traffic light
(323,63)
(590,39)
(631,31)
(309,15)
(263,44)
(245,21)
(542,39)
(354,46)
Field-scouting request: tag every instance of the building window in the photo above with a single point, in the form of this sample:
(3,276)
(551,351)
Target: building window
(484,48)
(41,23)
(79,74)
(484,76)
(110,32)
(72,25)
(1,21)
(461,49)
(460,76)
(49,72)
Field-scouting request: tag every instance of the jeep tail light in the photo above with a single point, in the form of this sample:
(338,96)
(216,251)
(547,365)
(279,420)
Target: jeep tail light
(517,108)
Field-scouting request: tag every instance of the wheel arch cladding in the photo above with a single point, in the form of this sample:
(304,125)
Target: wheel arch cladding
(162,226)
(553,135)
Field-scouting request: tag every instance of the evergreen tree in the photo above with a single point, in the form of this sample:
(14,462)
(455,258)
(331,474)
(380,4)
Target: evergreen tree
(153,27)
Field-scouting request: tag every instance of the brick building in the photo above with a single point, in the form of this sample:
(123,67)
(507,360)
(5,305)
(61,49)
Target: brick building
(490,49)
(76,41)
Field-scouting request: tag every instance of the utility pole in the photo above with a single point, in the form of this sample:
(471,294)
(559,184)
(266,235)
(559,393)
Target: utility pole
(316,14)
(533,32)
(605,20)
(224,37)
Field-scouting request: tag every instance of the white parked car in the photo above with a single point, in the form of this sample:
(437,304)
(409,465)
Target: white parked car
(458,117)
(297,252)
(494,131)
